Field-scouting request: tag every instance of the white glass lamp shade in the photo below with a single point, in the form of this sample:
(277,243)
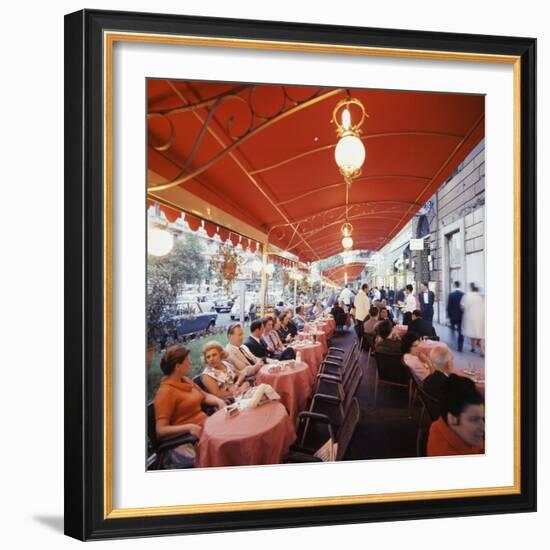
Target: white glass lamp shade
(269,269)
(349,154)
(159,242)
(347,243)
(257,266)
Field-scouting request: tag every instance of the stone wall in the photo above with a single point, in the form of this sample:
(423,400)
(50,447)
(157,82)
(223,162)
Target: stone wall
(459,206)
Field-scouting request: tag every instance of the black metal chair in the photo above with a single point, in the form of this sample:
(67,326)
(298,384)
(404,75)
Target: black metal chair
(430,413)
(158,448)
(391,371)
(333,403)
(342,436)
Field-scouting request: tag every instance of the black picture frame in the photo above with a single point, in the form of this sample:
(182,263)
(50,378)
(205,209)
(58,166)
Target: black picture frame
(84,282)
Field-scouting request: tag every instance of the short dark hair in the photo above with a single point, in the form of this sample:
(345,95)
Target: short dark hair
(384,329)
(409,287)
(457,284)
(281,304)
(364,286)
(171,357)
(231,328)
(373,311)
(299,309)
(255,325)
(425,283)
(266,320)
(408,340)
(458,392)
(417,313)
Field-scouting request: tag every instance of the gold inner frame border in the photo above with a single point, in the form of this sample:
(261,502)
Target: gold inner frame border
(109,39)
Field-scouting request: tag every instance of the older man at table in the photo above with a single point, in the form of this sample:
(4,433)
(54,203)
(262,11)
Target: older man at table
(239,355)
(442,364)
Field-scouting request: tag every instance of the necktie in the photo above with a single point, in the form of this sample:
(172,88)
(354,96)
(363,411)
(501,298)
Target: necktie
(243,351)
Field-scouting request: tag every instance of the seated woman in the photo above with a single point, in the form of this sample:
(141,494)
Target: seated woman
(178,402)
(270,338)
(220,377)
(418,362)
(460,430)
(284,329)
(385,340)
(318,308)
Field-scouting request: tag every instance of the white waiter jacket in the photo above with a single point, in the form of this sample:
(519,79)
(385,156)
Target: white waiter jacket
(362,305)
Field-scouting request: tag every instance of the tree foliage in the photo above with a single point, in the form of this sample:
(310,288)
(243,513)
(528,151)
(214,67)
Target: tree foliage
(166,277)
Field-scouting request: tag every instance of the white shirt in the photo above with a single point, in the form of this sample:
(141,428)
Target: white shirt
(426,297)
(376,295)
(362,305)
(410,303)
(345,296)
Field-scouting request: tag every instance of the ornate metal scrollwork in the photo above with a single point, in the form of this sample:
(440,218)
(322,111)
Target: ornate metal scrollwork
(249,121)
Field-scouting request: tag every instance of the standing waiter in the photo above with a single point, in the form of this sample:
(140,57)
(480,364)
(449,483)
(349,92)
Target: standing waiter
(362,305)
(426,298)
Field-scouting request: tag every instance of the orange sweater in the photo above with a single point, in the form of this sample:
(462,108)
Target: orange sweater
(443,441)
(179,402)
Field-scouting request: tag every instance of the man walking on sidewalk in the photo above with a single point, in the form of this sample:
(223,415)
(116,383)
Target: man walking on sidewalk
(454,313)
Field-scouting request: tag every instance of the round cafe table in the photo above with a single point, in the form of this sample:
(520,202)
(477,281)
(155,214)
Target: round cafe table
(328,326)
(312,354)
(293,385)
(400,330)
(426,346)
(478,377)
(322,338)
(261,435)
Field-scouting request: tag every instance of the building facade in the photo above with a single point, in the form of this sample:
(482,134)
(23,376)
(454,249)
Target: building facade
(445,240)
(452,225)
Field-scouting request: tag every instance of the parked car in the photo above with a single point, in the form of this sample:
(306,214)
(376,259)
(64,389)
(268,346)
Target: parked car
(223,304)
(192,318)
(249,301)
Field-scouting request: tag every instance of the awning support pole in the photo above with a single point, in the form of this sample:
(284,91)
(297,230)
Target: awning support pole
(263,289)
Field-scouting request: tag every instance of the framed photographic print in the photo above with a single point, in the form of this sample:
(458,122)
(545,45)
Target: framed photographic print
(300,274)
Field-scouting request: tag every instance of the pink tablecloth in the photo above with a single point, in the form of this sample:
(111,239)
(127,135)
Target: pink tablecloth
(293,385)
(400,330)
(312,354)
(328,326)
(478,377)
(426,346)
(255,436)
(322,338)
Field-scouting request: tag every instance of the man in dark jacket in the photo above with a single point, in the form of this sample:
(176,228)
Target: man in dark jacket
(426,298)
(420,325)
(454,313)
(253,343)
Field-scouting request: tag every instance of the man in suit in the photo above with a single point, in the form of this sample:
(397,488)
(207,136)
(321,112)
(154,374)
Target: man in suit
(454,313)
(442,363)
(238,354)
(426,298)
(420,325)
(254,343)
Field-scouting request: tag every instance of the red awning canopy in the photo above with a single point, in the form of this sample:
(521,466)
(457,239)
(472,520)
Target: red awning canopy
(338,274)
(265,155)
